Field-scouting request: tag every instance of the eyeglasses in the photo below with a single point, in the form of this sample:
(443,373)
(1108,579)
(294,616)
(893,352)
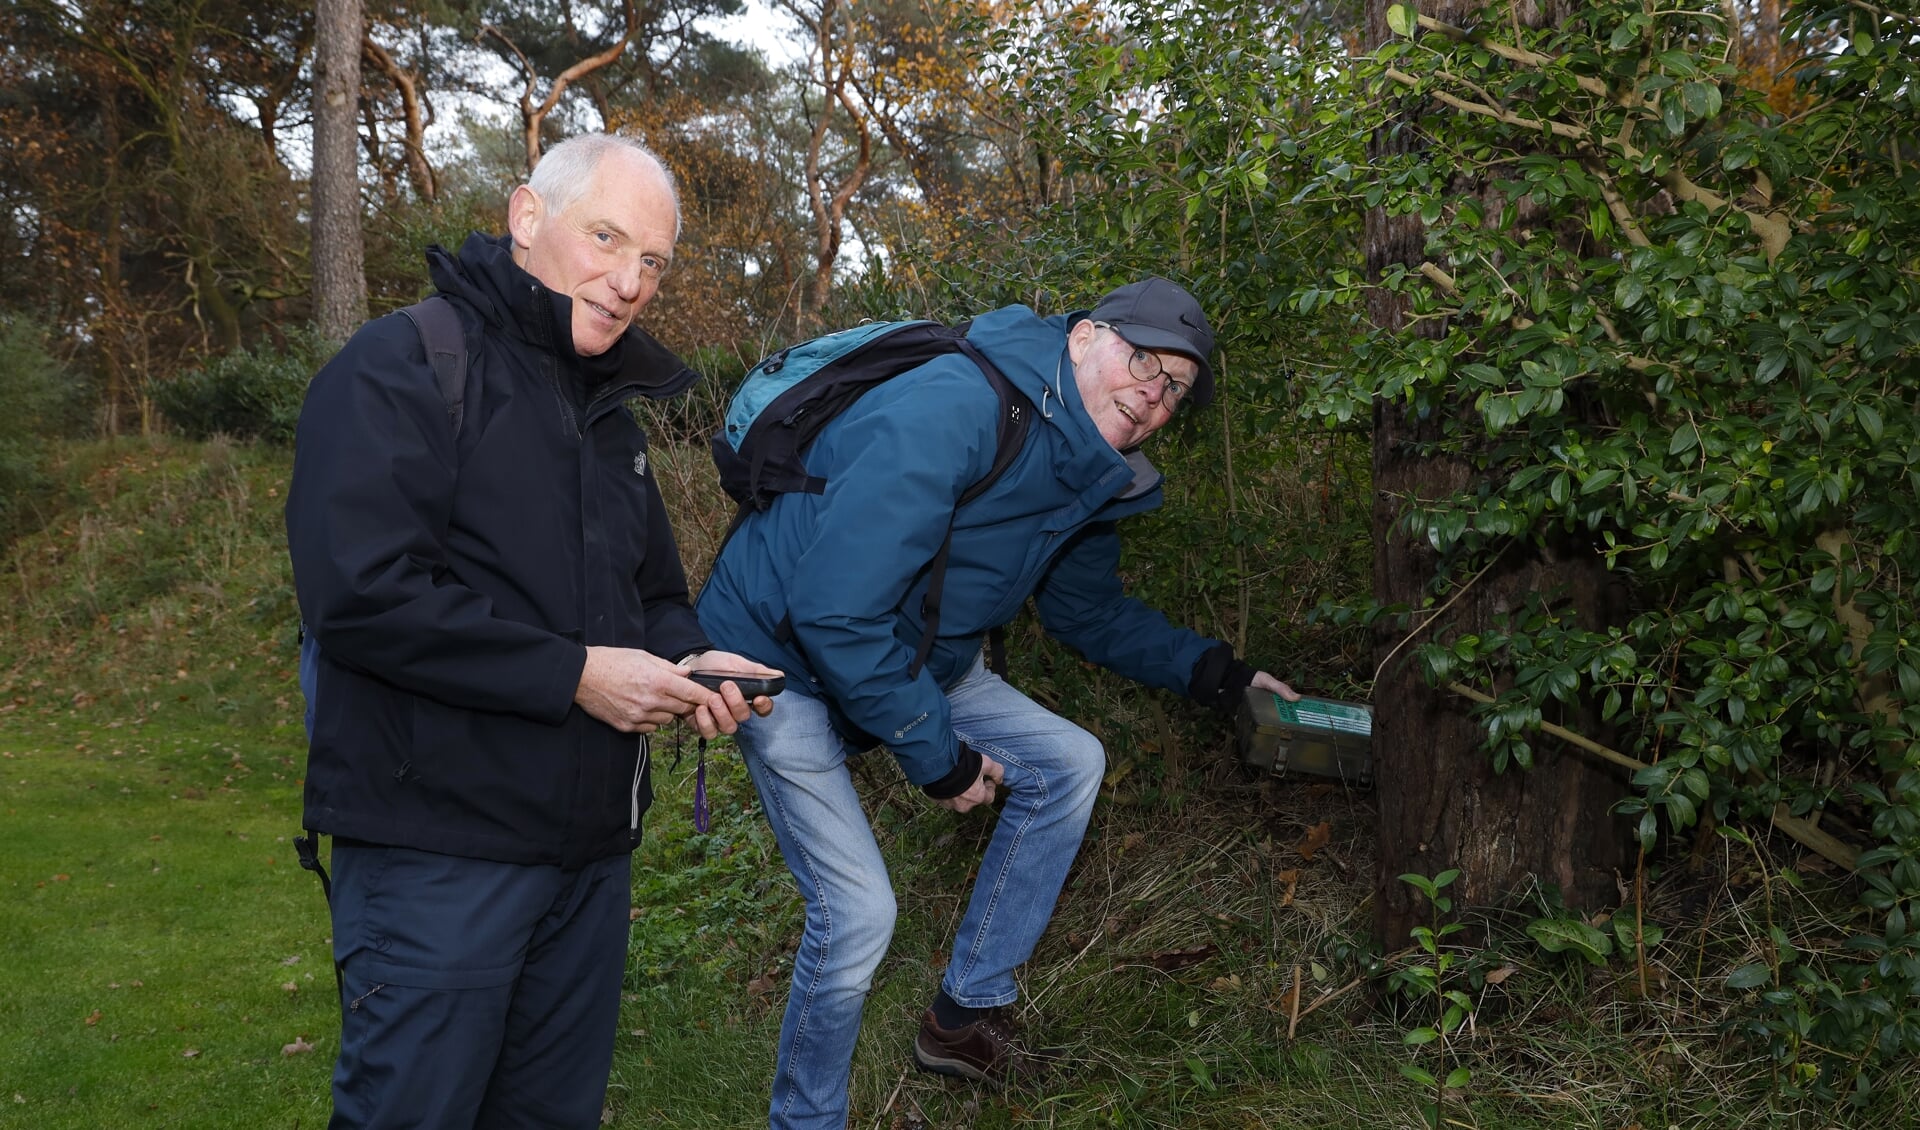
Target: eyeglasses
(1146,368)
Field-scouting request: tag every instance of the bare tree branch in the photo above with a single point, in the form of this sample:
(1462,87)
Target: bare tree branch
(407,86)
(532,116)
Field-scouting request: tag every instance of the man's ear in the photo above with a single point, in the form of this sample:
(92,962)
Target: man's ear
(1079,338)
(524,210)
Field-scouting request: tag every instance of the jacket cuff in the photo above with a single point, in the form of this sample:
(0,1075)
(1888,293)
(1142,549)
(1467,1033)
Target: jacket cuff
(559,696)
(966,771)
(1220,678)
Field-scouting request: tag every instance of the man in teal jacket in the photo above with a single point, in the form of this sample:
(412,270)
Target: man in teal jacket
(829,588)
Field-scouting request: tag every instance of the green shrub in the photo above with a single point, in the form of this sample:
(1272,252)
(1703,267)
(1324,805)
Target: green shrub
(247,394)
(37,404)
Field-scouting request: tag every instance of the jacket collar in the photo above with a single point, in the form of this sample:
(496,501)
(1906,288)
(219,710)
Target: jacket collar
(515,303)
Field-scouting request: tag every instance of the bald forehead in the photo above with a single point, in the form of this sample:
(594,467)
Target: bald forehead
(628,170)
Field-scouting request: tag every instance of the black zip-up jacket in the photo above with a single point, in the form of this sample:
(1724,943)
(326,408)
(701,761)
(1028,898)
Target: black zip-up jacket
(453,587)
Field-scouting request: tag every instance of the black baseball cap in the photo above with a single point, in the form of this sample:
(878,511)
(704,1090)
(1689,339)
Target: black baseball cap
(1156,314)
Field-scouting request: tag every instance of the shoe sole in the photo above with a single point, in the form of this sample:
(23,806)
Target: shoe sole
(947,1066)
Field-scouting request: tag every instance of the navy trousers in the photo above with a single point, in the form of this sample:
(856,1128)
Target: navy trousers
(477,995)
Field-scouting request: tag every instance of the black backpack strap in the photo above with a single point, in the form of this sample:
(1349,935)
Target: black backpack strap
(1016,411)
(306,846)
(1011,434)
(438,325)
(997,650)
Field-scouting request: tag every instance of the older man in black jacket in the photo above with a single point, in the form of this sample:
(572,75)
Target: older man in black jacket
(502,619)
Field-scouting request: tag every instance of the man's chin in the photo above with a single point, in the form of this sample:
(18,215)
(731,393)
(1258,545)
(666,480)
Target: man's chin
(595,340)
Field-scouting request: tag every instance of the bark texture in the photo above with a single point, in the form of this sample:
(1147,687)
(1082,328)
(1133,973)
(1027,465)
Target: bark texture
(339,250)
(1441,804)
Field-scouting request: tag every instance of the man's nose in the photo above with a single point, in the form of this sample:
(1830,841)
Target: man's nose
(626,280)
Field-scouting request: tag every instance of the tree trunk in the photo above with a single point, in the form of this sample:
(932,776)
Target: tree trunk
(339,254)
(1441,804)
(112,246)
(828,192)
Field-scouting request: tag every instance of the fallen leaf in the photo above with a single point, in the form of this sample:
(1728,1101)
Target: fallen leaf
(298,1047)
(294,960)
(61,878)
(634,913)
(94,1018)
(762,985)
(190,1053)
(1317,837)
(1291,878)
(1501,974)
(290,986)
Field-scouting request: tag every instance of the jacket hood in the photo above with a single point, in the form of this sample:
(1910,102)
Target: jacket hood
(1032,352)
(485,276)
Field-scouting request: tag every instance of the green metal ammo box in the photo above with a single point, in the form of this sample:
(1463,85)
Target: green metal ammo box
(1323,737)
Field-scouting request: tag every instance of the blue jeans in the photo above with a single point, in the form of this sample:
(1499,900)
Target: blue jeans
(799,766)
(478,995)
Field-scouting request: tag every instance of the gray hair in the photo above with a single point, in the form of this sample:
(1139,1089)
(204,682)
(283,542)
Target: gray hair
(564,170)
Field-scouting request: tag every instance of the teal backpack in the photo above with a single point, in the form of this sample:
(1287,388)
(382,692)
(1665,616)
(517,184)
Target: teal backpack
(786,399)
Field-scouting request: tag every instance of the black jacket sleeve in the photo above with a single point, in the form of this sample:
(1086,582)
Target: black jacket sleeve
(367,512)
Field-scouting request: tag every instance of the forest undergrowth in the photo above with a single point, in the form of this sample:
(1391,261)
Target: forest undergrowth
(1209,963)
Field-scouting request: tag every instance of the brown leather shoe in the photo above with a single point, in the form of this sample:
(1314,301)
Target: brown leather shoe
(985,1051)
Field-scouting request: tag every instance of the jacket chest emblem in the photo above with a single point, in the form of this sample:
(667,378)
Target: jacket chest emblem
(640,463)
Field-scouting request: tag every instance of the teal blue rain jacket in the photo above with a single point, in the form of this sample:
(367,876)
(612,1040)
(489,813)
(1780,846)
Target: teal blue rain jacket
(848,568)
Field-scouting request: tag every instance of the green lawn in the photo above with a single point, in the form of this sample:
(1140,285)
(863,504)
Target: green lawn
(168,958)
(164,951)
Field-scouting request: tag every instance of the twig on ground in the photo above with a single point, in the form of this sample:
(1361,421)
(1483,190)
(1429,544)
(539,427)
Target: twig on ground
(1293,1016)
(891,1099)
(1328,998)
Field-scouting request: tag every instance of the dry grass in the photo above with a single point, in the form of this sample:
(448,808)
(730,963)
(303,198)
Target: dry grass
(1208,964)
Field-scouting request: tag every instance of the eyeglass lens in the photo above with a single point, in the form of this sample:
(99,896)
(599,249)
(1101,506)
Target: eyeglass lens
(1146,368)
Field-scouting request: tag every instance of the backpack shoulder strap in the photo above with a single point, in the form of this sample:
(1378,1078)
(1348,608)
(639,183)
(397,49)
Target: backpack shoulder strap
(1015,412)
(438,325)
(1010,434)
